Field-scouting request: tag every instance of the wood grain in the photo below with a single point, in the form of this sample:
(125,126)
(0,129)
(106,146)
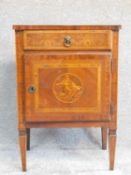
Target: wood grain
(104,138)
(90,73)
(22,142)
(112,147)
(67,27)
(20,79)
(80,40)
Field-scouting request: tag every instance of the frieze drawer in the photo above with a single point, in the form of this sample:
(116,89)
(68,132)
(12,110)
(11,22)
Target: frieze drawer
(68,40)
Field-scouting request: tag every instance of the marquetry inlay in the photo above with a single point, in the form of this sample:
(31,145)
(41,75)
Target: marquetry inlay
(67,88)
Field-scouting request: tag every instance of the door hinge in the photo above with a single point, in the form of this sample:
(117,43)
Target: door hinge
(111,108)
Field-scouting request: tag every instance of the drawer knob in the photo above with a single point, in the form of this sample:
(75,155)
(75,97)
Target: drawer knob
(31,89)
(67,41)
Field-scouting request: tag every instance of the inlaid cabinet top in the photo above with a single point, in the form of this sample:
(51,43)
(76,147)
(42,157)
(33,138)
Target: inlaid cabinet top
(67,27)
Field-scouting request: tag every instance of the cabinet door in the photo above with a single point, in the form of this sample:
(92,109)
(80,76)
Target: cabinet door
(67,86)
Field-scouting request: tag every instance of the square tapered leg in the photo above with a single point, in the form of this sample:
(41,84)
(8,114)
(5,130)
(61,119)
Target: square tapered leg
(28,138)
(22,142)
(112,147)
(104,138)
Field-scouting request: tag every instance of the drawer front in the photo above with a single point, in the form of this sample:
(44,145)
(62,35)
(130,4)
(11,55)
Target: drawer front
(68,87)
(68,40)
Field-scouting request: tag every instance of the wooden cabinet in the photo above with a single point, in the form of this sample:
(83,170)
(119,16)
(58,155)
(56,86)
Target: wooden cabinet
(67,77)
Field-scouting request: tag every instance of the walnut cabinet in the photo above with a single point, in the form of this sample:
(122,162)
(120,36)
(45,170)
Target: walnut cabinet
(67,77)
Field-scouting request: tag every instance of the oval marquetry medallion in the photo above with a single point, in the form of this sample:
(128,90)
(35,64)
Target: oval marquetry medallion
(67,88)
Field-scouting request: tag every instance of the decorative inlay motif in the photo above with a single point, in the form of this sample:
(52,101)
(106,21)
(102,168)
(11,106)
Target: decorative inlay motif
(67,88)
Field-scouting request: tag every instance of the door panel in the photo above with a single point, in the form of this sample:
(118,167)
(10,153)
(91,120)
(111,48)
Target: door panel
(67,87)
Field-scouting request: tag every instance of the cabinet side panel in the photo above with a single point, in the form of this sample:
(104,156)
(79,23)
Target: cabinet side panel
(115,77)
(20,78)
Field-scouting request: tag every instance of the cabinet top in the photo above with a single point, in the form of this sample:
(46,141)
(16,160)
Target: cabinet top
(66,27)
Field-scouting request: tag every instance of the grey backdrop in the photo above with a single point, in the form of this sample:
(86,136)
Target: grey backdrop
(63,151)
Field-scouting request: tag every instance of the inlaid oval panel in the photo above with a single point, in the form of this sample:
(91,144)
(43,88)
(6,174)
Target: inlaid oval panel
(67,88)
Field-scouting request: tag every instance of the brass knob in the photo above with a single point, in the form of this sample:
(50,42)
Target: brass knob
(31,89)
(67,41)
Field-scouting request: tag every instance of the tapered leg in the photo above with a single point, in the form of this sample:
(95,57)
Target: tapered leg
(104,138)
(28,138)
(112,146)
(22,141)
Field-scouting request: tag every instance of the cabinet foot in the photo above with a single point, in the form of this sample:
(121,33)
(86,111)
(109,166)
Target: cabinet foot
(28,138)
(22,142)
(104,138)
(112,146)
